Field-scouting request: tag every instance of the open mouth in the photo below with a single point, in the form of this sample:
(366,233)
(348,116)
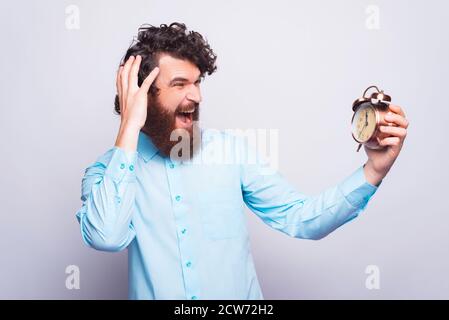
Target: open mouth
(185,118)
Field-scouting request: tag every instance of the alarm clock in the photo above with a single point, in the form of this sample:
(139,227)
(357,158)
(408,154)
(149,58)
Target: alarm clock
(369,113)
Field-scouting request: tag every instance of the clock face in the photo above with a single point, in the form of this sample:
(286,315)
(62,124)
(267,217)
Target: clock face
(364,123)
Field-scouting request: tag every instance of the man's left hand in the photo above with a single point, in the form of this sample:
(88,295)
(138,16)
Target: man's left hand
(380,161)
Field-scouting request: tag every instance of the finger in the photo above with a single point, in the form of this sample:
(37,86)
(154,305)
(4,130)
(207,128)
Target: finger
(118,84)
(133,73)
(394,131)
(396,119)
(124,77)
(149,80)
(397,109)
(389,141)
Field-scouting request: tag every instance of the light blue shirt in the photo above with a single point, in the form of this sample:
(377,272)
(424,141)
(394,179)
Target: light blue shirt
(184,223)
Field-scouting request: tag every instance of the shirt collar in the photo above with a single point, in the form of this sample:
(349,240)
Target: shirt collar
(147,150)
(145,147)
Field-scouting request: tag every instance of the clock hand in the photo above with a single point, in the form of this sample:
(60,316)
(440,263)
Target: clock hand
(360,133)
(365,125)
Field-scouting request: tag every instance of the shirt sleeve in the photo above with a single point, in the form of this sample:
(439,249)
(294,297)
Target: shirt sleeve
(281,206)
(108,196)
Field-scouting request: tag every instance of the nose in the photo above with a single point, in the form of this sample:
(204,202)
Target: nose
(194,94)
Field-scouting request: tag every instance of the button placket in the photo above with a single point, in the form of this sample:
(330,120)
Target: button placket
(184,237)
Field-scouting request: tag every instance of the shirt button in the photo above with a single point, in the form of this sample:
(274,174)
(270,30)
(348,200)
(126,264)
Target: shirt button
(188,264)
(171,165)
(122,166)
(183,231)
(178,198)
(194,297)
(131,168)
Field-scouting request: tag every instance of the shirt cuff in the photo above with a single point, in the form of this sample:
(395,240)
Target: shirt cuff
(121,166)
(357,190)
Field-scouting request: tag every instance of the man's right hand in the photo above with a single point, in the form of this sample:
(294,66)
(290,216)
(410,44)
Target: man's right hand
(133,102)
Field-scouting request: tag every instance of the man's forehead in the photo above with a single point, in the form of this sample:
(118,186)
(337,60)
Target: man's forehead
(171,68)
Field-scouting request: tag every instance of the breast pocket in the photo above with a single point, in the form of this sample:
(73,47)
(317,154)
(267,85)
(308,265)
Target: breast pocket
(222,214)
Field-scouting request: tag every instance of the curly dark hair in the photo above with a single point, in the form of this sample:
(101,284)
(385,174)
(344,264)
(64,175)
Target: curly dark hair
(173,39)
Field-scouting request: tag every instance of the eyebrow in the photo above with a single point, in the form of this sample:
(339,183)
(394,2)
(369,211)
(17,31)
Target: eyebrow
(181,79)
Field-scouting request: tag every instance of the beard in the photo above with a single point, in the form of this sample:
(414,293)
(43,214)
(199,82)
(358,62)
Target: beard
(173,141)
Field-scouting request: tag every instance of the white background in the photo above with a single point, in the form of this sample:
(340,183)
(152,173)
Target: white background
(295,66)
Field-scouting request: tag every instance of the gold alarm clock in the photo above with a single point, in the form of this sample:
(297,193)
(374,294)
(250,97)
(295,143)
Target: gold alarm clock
(369,113)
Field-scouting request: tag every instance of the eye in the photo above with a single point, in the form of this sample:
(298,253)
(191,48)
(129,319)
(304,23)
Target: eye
(179,84)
